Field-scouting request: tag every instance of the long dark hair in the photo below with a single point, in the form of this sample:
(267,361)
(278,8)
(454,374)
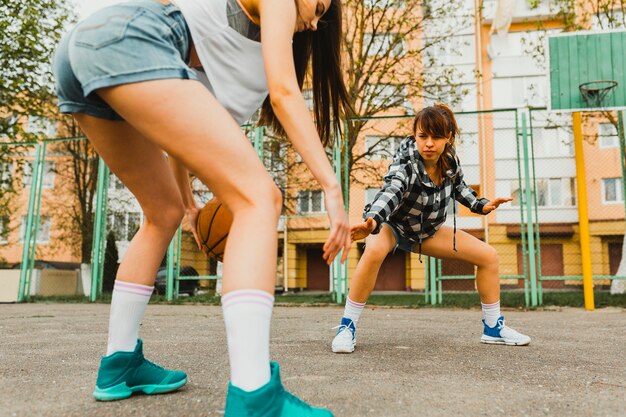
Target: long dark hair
(330,97)
(438,121)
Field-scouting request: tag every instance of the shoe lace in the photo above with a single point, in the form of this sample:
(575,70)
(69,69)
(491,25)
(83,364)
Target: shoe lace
(343,327)
(501,324)
(153,365)
(296,401)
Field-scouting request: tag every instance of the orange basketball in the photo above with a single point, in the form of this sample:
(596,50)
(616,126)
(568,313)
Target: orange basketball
(213,225)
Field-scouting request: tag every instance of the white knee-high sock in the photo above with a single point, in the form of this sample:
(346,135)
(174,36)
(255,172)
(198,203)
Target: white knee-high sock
(353,310)
(491,313)
(128,305)
(247,316)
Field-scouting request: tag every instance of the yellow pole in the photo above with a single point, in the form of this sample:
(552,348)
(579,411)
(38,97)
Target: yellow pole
(583,216)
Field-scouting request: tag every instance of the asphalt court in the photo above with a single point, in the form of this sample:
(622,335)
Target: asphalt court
(408,362)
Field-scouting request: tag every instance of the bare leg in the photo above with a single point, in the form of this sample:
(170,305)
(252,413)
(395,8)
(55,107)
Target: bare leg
(184,119)
(469,249)
(142,166)
(376,249)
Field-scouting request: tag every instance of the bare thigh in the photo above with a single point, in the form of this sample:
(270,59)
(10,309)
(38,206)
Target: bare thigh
(184,119)
(137,162)
(382,243)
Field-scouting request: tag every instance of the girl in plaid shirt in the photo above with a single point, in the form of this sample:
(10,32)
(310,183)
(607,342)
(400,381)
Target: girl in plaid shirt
(408,213)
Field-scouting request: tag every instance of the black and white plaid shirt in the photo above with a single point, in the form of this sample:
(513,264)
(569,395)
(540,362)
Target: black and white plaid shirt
(411,202)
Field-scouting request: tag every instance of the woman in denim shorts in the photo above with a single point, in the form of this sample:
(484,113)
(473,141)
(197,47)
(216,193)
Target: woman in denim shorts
(149,77)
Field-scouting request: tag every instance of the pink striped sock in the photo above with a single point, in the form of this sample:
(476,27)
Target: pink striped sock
(353,310)
(128,305)
(247,316)
(491,313)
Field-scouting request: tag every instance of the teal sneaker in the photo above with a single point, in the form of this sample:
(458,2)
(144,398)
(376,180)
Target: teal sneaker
(271,400)
(123,373)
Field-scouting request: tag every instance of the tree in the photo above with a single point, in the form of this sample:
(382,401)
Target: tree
(29,32)
(81,175)
(392,57)
(393,50)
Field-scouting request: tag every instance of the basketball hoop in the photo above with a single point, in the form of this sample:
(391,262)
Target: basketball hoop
(595,93)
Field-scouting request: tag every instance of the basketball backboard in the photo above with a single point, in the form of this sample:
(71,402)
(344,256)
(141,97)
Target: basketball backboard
(580,58)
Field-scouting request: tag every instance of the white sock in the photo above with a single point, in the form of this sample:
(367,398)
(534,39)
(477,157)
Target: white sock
(353,310)
(247,315)
(491,313)
(128,305)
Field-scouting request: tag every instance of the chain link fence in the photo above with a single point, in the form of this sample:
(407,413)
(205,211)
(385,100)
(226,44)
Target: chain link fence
(65,221)
(41,229)
(489,151)
(566,180)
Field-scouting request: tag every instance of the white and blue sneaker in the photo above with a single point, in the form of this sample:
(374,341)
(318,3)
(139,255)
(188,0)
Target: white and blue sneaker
(501,334)
(345,340)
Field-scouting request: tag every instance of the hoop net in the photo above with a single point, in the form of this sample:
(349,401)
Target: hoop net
(596,93)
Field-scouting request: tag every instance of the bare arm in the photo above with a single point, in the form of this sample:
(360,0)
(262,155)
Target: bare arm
(277,27)
(181,175)
(182,180)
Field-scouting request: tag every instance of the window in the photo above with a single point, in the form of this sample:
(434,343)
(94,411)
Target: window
(275,158)
(553,141)
(519,91)
(41,126)
(311,201)
(7,126)
(550,192)
(43,231)
(383,4)
(612,190)
(6,175)
(387,95)
(48,174)
(124,225)
(201,191)
(4,230)
(607,136)
(370,193)
(308,98)
(381,147)
(134,222)
(383,44)
(467,148)
(459,49)
(115,183)
(608,18)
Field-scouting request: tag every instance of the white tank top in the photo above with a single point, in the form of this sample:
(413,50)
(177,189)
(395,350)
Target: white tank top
(233,63)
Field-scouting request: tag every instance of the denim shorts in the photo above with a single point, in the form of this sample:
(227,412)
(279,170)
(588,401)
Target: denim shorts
(401,242)
(140,40)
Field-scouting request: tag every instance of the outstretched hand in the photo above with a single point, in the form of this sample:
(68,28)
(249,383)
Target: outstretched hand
(339,237)
(492,205)
(362,230)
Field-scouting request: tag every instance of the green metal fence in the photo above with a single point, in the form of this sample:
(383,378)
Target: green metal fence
(38,222)
(556,185)
(525,153)
(528,154)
